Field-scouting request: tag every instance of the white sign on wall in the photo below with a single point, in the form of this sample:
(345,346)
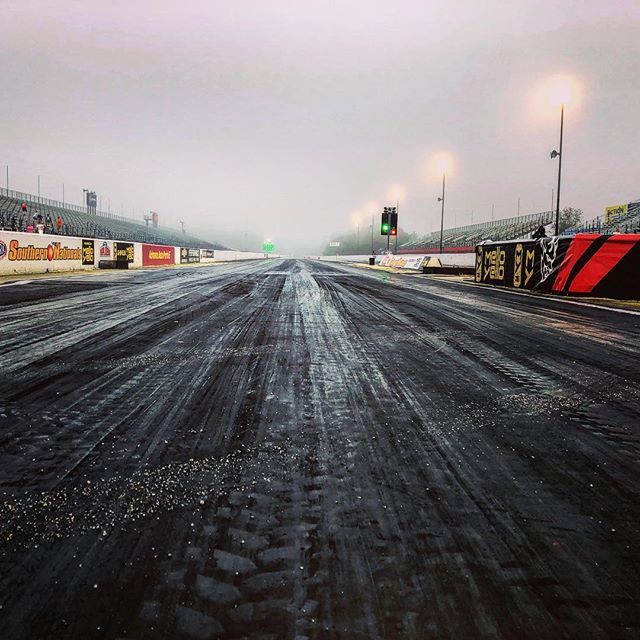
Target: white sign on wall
(32,252)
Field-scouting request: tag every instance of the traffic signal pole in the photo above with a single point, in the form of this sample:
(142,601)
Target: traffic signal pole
(395,251)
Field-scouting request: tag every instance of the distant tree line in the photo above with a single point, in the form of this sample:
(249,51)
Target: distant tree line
(569,217)
(352,243)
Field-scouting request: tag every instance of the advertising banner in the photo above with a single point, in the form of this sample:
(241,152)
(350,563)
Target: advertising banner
(123,252)
(31,252)
(157,254)
(409,261)
(530,264)
(615,212)
(104,250)
(88,252)
(587,264)
(189,256)
(207,255)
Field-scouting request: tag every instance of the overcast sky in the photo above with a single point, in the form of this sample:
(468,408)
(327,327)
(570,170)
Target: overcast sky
(284,117)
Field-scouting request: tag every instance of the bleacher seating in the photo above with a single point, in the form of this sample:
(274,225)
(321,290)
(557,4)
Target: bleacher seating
(464,239)
(77,222)
(628,223)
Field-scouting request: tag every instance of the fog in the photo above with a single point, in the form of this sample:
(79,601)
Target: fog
(281,119)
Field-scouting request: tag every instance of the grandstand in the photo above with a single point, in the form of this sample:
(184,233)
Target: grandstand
(77,222)
(464,239)
(629,222)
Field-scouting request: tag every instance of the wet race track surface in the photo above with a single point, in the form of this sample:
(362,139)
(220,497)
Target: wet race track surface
(295,449)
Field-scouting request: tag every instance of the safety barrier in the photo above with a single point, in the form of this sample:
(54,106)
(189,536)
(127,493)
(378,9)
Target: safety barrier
(586,264)
(411,261)
(43,253)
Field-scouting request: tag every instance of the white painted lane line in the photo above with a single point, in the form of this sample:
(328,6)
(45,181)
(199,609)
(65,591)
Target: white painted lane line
(539,296)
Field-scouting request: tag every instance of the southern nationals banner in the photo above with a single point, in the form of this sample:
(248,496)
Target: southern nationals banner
(586,264)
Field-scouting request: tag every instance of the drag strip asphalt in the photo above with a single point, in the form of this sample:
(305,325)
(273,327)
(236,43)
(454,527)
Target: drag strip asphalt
(297,449)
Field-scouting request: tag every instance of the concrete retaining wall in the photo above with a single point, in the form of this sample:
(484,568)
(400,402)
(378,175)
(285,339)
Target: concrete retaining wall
(43,253)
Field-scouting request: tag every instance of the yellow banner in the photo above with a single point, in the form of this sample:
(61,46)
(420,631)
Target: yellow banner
(614,212)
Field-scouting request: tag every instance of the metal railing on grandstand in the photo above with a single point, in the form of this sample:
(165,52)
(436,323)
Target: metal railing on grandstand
(628,222)
(28,197)
(466,237)
(33,199)
(76,221)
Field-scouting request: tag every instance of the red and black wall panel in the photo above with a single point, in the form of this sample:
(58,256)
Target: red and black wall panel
(587,264)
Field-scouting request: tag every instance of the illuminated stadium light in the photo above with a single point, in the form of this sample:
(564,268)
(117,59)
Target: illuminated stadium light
(552,93)
(397,193)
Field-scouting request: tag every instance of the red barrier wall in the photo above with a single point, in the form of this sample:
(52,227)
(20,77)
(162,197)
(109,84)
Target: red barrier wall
(154,255)
(607,265)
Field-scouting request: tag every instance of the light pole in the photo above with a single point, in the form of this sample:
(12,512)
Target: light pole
(372,220)
(441,164)
(562,91)
(558,154)
(371,208)
(441,199)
